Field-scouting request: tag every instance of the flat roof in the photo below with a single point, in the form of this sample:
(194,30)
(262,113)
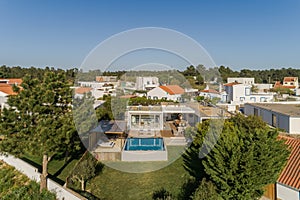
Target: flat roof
(164,109)
(110,127)
(177,109)
(286,109)
(206,111)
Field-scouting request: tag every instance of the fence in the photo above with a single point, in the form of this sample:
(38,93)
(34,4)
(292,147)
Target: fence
(31,172)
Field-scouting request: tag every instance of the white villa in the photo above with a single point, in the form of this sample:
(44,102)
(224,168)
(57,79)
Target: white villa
(168,92)
(242,80)
(240,93)
(211,93)
(146,83)
(6,89)
(291,82)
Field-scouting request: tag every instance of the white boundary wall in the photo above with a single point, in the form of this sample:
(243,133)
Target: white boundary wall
(32,173)
(286,193)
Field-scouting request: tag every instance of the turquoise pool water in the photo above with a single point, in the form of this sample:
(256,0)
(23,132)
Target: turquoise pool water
(144,144)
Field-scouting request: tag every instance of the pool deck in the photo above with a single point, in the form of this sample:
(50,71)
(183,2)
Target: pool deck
(116,148)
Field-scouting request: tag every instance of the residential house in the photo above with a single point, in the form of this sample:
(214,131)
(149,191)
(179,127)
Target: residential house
(288,183)
(156,120)
(211,94)
(146,83)
(290,82)
(97,89)
(106,78)
(239,93)
(168,92)
(287,186)
(6,89)
(283,115)
(242,80)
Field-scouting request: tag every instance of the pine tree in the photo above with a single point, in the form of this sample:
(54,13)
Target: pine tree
(247,157)
(39,120)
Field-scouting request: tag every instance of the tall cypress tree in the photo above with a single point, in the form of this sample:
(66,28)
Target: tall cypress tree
(39,120)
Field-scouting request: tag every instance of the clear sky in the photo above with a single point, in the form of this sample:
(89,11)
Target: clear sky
(253,34)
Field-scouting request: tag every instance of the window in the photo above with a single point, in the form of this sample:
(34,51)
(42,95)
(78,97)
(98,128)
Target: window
(247,91)
(253,99)
(262,99)
(155,98)
(149,97)
(242,99)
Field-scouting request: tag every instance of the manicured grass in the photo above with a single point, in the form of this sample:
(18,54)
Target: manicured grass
(112,184)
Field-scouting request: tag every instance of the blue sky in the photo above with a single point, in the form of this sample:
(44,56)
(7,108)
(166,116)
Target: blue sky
(253,34)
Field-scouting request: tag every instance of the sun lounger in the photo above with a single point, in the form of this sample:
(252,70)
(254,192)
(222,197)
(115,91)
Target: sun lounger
(105,144)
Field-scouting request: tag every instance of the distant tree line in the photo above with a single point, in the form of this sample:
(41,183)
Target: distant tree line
(34,72)
(196,75)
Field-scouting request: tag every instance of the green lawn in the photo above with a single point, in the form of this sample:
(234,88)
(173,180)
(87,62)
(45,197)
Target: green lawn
(113,184)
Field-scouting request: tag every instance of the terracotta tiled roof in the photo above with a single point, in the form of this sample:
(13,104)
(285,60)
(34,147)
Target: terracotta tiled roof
(82,90)
(210,91)
(7,89)
(290,175)
(172,89)
(290,79)
(12,81)
(279,85)
(289,86)
(231,84)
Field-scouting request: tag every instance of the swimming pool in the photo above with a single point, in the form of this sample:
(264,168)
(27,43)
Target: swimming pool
(144,144)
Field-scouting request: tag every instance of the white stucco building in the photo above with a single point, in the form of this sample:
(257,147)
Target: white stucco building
(211,94)
(168,92)
(291,82)
(146,83)
(6,89)
(285,116)
(241,93)
(242,80)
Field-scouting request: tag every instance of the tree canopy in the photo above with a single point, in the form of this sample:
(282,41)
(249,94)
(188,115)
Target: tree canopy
(39,120)
(246,157)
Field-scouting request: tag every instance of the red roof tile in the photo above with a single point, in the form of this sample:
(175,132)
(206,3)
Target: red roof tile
(290,79)
(12,81)
(7,89)
(172,89)
(291,173)
(82,90)
(279,85)
(210,91)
